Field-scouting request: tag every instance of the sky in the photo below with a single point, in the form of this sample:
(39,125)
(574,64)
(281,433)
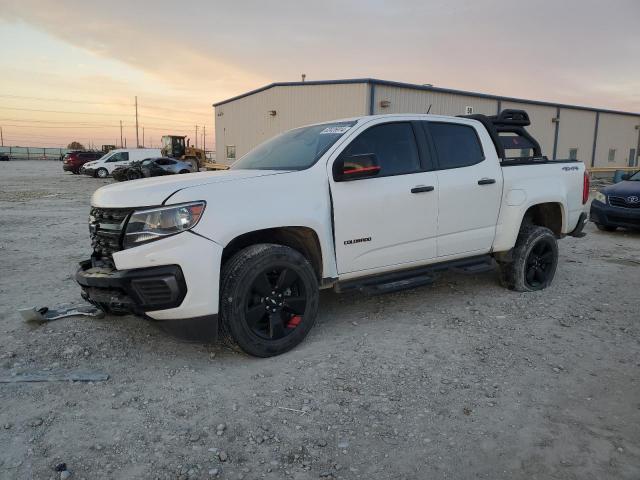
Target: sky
(71,69)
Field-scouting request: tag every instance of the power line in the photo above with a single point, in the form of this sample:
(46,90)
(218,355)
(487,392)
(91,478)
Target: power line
(53,122)
(65,127)
(87,102)
(65,111)
(65,100)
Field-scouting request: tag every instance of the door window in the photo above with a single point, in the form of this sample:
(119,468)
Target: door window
(573,154)
(231,152)
(457,145)
(119,157)
(394,146)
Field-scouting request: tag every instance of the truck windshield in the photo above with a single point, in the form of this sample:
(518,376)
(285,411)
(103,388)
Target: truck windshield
(293,150)
(635,177)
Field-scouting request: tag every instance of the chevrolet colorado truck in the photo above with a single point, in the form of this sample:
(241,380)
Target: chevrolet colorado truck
(375,203)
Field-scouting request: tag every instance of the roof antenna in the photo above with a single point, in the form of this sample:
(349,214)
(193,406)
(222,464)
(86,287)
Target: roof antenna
(429,108)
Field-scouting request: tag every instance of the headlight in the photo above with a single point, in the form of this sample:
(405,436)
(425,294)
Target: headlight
(156,223)
(601,197)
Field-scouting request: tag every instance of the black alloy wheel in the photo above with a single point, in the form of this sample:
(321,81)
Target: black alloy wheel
(540,264)
(276,303)
(269,299)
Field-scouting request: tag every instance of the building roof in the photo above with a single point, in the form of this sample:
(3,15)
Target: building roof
(413,86)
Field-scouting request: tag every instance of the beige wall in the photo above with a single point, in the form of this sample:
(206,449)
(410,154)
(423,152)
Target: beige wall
(406,100)
(542,128)
(616,131)
(246,122)
(576,131)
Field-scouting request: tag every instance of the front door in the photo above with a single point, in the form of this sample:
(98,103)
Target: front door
(632,157)
(470,190)
(116,160)
(390,219)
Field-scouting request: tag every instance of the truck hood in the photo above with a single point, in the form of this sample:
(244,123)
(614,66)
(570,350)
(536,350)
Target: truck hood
(149,192)
(626,187)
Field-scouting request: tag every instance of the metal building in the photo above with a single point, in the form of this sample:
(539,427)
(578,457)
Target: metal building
(601,138)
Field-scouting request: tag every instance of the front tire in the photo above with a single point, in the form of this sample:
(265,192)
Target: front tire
(102,173)
(269,299)
(534,260)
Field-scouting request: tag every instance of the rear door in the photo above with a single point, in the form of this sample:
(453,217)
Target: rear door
(470,188)
(390,219)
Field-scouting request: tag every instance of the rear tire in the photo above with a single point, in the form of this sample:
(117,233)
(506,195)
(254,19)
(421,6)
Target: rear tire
(534,260)
(268,299)
(606,228)
(102,173)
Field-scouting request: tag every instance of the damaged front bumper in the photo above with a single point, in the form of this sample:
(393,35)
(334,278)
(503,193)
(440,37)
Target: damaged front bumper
(132,291)
(143,290)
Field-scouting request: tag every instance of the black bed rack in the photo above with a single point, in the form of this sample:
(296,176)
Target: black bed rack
(510,121)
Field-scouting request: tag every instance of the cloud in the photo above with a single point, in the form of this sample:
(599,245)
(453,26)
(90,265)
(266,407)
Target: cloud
(574,51)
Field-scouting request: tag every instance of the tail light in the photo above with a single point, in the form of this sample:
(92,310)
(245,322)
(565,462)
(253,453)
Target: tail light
(585,188)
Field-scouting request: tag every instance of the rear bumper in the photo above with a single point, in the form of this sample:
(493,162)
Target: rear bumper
(68,167)
(614,216)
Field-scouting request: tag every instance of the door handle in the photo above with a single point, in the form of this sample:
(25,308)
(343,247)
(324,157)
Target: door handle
(486,181)
(422,188)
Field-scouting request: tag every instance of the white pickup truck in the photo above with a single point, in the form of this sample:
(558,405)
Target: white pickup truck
(375,203)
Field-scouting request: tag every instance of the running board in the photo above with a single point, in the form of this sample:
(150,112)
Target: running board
(415,277)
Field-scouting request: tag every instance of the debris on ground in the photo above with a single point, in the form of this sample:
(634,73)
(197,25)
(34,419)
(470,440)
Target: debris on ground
(55,376)
(46,314)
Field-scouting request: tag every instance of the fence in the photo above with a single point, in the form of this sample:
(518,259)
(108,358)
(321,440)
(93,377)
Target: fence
(33,153)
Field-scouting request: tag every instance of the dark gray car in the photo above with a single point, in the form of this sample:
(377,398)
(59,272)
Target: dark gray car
(151,167)
(167,165)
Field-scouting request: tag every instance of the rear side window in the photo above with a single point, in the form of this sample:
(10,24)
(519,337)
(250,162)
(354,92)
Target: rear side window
(393,144)
(456,145)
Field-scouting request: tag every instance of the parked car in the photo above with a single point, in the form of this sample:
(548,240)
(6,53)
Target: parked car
(375,203)
(4,157)
(115,158)
(618,205)
(151,167)
(73,161)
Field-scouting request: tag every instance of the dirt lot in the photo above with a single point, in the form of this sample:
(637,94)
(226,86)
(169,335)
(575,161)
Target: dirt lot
(458,380)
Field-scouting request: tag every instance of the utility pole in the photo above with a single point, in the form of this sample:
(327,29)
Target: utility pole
(204,139)
(120,133)
(196,136)
(125,143)
(142,137)
(137,139)
(1,137)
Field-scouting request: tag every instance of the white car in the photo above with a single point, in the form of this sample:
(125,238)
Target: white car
(375,203)
(104,166)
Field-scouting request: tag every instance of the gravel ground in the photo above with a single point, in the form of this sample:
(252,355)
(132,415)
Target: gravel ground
(461,379)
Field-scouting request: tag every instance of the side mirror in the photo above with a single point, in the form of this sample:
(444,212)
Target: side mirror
(355,167)
(625,176)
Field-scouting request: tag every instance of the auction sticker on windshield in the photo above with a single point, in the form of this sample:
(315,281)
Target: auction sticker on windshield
(334,130)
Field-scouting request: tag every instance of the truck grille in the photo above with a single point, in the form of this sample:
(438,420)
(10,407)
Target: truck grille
(624,202)
(106,226)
